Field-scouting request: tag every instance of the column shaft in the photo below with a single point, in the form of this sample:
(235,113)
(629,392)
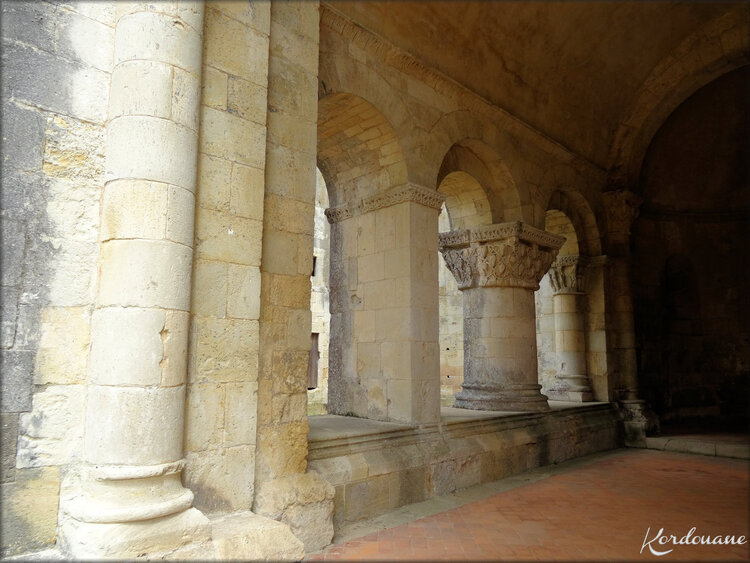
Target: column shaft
(500,363)
(570,350)
(136,388)
(572,381)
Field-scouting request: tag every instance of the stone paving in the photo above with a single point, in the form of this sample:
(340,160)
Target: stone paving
(597,508)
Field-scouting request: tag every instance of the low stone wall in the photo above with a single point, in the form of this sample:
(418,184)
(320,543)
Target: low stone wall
(394,465)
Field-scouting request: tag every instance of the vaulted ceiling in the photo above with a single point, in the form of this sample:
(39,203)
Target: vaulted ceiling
(569,69)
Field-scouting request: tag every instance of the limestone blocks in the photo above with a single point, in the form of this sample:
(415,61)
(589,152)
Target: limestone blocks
(304,502)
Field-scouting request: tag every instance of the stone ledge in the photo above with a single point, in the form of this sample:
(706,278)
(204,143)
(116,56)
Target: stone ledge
(698,447)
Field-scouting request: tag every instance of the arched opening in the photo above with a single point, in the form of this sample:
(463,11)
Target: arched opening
(690,260)
(465,206)
(383,348)
(317,377)
(556,222)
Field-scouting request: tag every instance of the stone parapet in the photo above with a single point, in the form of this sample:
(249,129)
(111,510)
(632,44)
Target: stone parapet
(377,467)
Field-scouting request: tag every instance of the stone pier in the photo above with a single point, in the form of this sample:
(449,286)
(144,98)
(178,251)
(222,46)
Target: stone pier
(621,207)
(384,355)
(498,268)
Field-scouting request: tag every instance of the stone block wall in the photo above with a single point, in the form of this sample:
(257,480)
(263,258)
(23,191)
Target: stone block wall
(422,463)
(692,310)
(56,60)
(220,425)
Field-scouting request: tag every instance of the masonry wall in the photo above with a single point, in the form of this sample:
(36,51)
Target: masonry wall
(691,304)
(56,61)
(223,362)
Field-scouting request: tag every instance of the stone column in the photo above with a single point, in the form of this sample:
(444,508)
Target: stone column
(621,209)
(384,358)
(129,498)
(566,276)
(498,267)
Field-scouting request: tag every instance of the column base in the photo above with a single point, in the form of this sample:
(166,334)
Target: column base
(519,398)
(574,389)
(558,394)
(126,540)
(309,514)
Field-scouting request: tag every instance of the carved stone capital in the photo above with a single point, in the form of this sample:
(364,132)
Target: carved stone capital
(501,255)
(621,209)
(567,272)
(392,196)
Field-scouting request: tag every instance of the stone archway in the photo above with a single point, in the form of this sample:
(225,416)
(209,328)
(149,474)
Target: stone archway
(383,352)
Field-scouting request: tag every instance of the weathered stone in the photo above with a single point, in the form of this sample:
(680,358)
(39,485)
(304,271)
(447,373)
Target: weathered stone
(248,536)
(155,98)
(11,258)
(26,127)
(243,300)
(81,38)
(29,510)
(130,539)
(31,23)
(54,83)
(247,192)
(8,447)
(222,479)
(223,349)
(63,346)
(305,502)
(157,37)
(120,441)
(17,367)
(230,137)
(52,432)
(235,48)
(154,149)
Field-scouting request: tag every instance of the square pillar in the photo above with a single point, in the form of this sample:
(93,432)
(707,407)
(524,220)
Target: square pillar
(384,359)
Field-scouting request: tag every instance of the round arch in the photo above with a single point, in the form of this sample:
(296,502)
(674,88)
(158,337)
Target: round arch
(359,152)
(714,50)
(482,142)
(478,160)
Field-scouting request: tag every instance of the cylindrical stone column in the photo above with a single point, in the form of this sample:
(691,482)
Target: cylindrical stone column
(498,268)
(572,382)
(131,499)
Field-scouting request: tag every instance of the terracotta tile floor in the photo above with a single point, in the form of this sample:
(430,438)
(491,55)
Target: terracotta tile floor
(599,511)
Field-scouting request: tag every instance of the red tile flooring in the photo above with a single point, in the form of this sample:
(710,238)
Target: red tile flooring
(599,511)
